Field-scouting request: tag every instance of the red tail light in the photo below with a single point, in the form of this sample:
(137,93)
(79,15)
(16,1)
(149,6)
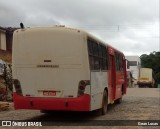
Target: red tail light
(82,86)
(82,83)
(17,86)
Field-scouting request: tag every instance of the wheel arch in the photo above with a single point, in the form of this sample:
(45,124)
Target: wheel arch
(106,89)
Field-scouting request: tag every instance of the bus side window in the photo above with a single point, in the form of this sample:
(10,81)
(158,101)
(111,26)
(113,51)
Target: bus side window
(95,49)
(119,61)
(107,58)
(93,52)
(90,52)
(103,57)
(90,47)
(96,63)
(96,56)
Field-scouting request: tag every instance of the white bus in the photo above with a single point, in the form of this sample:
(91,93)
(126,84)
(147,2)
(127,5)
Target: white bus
(65,69)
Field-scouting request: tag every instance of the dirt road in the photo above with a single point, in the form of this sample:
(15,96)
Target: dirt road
(138,104)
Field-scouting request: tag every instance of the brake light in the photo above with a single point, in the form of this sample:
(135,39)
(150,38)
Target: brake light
(17,86)
(82,86)
(82,83)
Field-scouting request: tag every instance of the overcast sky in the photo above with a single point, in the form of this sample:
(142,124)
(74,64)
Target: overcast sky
(129,25)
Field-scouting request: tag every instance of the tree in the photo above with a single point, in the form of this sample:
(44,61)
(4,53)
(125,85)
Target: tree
(152,61)
(7,76)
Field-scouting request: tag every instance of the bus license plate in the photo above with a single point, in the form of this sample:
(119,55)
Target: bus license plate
(49,93)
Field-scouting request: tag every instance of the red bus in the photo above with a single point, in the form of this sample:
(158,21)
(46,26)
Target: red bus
(65,69)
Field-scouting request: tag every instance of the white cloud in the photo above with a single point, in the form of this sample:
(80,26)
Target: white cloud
(130,25)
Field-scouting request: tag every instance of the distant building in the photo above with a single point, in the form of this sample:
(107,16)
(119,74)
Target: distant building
(2,39)
(6,36)
(133,65)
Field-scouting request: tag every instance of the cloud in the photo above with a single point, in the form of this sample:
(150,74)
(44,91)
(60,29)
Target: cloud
(131,22)
(9,15)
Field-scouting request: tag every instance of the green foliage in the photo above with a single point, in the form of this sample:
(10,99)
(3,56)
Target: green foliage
(157,77)
(152,61)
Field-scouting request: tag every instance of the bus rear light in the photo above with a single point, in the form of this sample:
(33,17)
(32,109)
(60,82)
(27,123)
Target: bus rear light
(82,86)
(17,86)
(82,83)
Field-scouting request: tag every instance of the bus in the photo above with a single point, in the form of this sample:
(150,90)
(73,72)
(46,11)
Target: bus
(65,69)
(146,79)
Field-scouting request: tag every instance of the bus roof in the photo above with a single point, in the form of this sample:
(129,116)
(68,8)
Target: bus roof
(70,30)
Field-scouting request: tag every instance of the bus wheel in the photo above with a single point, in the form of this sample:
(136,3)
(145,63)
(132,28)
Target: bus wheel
(104,102)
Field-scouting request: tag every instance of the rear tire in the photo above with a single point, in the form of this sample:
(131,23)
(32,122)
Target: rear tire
(104,102)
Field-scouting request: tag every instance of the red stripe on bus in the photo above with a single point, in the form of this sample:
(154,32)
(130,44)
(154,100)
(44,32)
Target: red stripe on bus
(81,103)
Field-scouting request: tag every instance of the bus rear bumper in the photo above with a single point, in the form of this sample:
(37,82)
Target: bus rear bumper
(81,103)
